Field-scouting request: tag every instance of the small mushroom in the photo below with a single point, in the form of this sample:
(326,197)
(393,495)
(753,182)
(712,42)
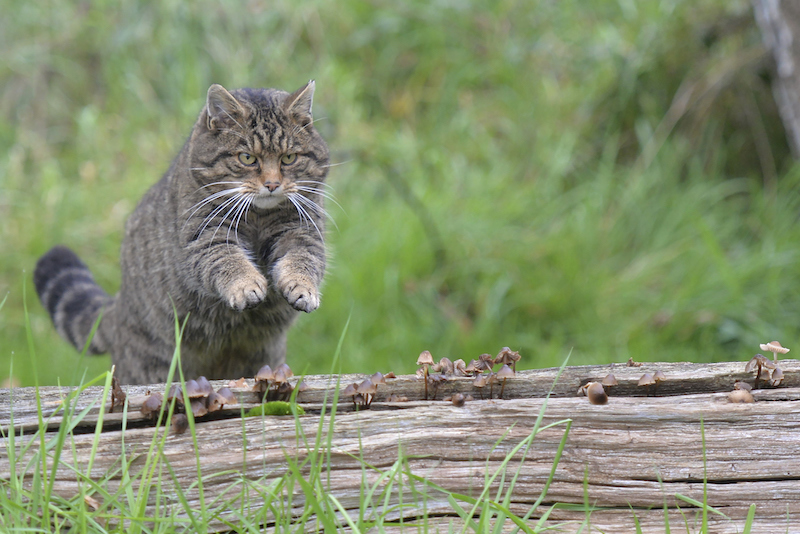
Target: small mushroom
(507,357)
(632,363)
(446,366)
(367,389)
(596,393)
(458,400)
(214,402)
(740,396)
(759,364)
(285,370)
(742,385)
(198,407)
(459,367)
(609,381)
(390,374)
(175,394)
(775,348)
(180,423)
(194,391)
(659,377)
(350,391)
(647,382)
(777,377)
(425,360)
(480,383)
(505,373)
(227,396)
(378,378)
(204,386)
(151,405)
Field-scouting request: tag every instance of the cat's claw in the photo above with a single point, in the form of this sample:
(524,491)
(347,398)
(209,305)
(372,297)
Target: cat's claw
(246,293)
(301,297)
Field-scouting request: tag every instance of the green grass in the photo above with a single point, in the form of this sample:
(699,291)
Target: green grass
(543,175)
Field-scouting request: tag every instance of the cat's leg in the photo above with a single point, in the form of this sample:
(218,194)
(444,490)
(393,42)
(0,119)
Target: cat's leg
(229,273)
(298,265)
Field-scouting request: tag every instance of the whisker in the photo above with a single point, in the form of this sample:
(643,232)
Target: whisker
(336,164)
(236,219)
(304,214)
(323,194)
(214,213)
(316,208)
(211,198)
(233,208)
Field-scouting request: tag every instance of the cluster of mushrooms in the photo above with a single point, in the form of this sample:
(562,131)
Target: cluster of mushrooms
(766,372)
(202,401)
(364,393)
(273,384)
(481,369)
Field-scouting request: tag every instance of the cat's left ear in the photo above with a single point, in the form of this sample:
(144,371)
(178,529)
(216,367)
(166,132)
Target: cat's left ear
(224,111)
(298,104)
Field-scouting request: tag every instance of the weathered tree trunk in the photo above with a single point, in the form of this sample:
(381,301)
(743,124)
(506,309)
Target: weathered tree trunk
(779,21)
(629,460)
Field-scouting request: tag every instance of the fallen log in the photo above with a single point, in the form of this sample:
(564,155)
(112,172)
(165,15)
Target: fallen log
(640,458)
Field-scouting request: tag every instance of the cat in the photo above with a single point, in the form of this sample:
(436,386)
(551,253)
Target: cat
(231,239)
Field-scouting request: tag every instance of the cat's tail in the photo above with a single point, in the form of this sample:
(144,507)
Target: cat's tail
(68,291)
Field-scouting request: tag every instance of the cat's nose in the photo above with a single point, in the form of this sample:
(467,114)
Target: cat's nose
(272,186)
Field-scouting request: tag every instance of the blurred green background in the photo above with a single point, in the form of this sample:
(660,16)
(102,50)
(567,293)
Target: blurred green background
(606,177)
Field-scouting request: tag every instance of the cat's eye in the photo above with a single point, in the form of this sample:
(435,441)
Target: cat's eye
(288,159)
(247,159)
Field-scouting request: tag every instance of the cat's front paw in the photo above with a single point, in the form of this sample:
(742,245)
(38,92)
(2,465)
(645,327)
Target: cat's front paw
(246,292)
(301,295)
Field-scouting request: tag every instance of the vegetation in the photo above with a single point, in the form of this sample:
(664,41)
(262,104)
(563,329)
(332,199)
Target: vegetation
(609,177)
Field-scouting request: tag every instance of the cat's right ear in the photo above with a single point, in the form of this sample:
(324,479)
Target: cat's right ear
(224,111)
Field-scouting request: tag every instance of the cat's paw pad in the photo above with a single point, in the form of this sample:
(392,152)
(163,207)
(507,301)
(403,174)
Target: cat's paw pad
(302,297)
(246,292)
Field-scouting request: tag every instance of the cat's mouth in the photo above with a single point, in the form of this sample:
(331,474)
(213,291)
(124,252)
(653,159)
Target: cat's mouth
(266,199)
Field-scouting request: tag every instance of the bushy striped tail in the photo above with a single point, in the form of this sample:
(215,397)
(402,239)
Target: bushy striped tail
(73,299)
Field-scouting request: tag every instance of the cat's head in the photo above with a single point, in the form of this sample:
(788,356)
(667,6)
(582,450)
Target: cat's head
(260,146)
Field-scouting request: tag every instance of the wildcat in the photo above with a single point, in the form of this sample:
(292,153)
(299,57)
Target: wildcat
(230,238)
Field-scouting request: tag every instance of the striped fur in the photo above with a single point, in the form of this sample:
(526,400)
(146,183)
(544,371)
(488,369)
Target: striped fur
(231,238)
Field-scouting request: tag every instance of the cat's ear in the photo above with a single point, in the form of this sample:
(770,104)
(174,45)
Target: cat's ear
(224,111)
(298,104)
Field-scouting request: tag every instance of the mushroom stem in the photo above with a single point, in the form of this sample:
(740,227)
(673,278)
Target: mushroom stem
(502,388)
(426,382)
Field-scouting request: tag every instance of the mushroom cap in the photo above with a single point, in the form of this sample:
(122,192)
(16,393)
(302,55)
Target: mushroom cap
(227,396)
(764,375)
(596,393)
(205,386)
(176,393)
(301,386)
(506,355)
(280,376)
(285,369)
(151,404)
(446,366)
(390,374)
(460,367)
(214,402)
(646,380)
(488,358)
(367,387)
(742,385)
(777,376)
(378,378)
(193,390)
(199,408)
(659,376)
(480,381)
(458,400)
(505,372)
(425,358)
(350,390)
(759,360)
(610,380)
(774,346)
(179,423)
(265,373)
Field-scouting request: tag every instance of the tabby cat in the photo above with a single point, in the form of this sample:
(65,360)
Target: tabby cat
(231,238)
